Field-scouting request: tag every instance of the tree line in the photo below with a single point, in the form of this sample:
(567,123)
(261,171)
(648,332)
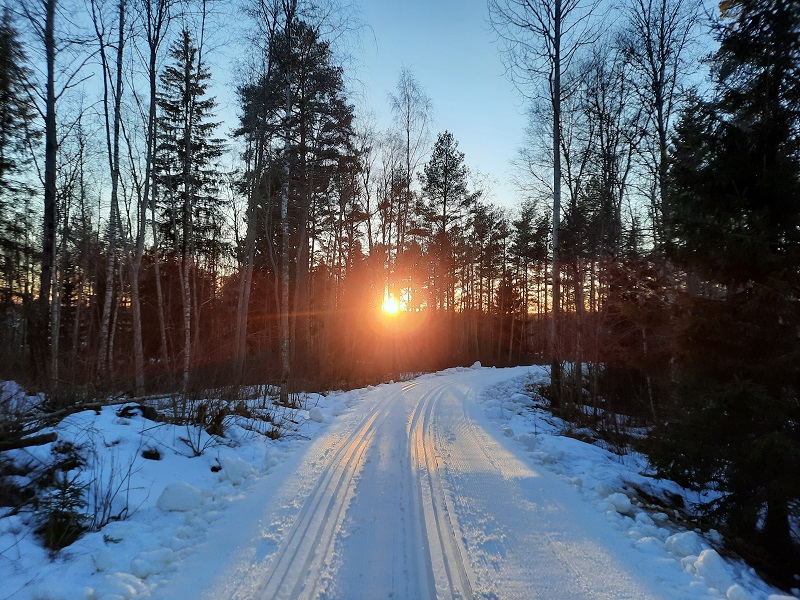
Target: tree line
(651,260)
(676,212)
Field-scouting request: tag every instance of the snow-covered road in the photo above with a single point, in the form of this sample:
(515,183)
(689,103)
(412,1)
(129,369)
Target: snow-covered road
(415,494)
(453,485)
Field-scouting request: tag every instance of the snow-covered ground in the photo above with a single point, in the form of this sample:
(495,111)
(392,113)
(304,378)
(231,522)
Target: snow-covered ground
(451,485)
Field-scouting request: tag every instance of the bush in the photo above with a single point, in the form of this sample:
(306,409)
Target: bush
(63,519)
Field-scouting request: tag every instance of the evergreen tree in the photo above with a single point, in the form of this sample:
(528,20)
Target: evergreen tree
(444,184)
(735,202)
(17,114)
(314,138)
(188,178)
(17,111)
(187,172)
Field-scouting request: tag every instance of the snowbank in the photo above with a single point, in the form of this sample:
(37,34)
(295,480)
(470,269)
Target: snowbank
(610,482)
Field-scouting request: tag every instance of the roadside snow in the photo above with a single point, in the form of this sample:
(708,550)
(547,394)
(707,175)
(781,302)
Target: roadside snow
(172,509)
(610,482)
(167,506)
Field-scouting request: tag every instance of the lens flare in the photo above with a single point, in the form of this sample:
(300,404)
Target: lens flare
(390,306)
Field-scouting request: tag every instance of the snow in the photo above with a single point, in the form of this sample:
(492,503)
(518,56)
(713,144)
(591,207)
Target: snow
(454,484)
(236,470)
(315,414)
(711,567)
(179,496)
(685,543)
(620,503)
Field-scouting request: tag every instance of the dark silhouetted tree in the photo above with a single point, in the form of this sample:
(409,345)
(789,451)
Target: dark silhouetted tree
(735,206)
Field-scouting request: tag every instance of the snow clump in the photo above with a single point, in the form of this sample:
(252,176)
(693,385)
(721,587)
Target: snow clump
(737,592)
(179,496)
(712,568)
(151,563)
(236,470)
(269,461)
(523,400)
(620,503)
(315,414)
(686,543)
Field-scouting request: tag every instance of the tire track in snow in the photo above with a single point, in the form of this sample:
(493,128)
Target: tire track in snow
(298,563)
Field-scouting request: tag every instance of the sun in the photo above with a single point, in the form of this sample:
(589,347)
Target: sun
(390,306)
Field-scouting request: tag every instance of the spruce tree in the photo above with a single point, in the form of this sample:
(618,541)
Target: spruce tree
(188,177)
(186,156)
(17,111)
(17,115)
(735,201)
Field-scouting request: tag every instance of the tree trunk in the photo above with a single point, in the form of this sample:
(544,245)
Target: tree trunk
(777,530)
(162,325)
(114,322)
(245,287)
(285,344)
(184,272)
(42,319)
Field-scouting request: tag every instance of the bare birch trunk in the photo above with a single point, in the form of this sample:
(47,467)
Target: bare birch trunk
(555,365)
(157,16)
(162,325)
(113,328)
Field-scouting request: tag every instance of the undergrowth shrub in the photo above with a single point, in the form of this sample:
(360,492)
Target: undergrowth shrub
(109,488)
(63,519)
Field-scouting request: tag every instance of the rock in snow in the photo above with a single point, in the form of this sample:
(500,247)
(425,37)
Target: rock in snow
(179,496)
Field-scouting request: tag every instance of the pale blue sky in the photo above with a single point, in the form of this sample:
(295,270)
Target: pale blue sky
(450,48)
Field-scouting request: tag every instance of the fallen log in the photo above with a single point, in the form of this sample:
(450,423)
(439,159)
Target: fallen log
(25,442)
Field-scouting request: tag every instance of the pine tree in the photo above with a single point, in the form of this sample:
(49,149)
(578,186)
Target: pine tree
(735,202)
(444,183)
(311,137)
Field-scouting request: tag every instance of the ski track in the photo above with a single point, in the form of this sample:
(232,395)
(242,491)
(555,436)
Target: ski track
(301,558)
(411,497)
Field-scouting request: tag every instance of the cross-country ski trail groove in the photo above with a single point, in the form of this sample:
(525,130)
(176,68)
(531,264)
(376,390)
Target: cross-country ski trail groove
(298,564)
(412,494)
(446,554)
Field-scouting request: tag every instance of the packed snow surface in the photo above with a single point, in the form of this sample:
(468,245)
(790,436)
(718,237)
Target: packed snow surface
(452,485)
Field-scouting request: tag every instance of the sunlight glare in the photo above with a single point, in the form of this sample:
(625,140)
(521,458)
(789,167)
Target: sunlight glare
(390,306)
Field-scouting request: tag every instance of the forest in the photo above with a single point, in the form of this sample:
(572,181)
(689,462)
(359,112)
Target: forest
(652,258)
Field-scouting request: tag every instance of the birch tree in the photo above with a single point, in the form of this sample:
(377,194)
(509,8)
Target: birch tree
(413,110)
(657,41)
(540,40)
(112,104)
(62,65)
